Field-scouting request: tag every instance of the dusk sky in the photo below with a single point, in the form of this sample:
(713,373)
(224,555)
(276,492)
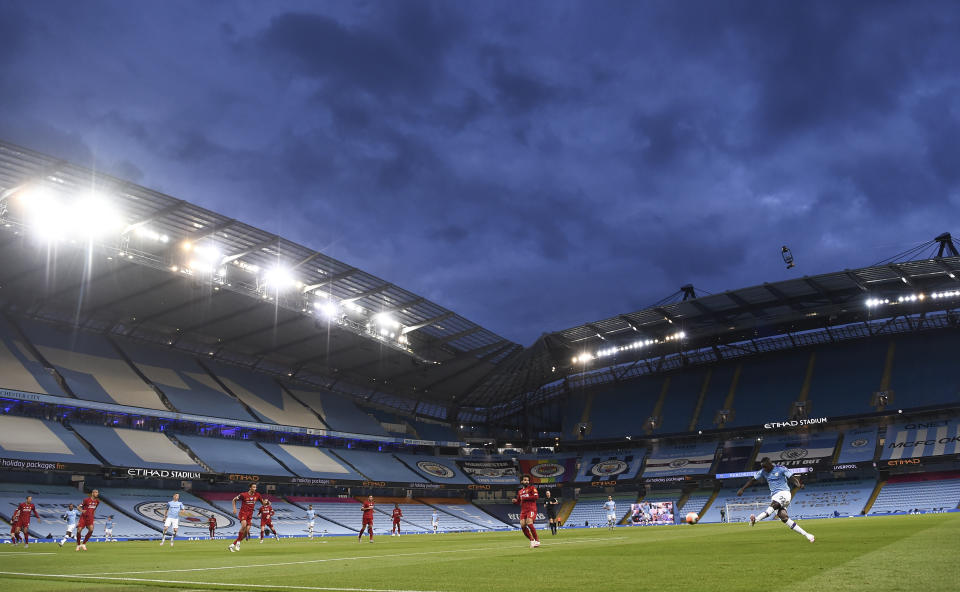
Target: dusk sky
(530,165)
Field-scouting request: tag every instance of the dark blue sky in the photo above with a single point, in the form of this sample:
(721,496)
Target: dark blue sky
(530,165)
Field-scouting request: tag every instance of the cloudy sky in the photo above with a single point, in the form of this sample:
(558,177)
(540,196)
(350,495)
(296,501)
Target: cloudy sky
(530,165)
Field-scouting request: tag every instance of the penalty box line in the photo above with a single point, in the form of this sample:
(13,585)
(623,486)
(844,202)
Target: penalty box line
(194,584)
(333,559)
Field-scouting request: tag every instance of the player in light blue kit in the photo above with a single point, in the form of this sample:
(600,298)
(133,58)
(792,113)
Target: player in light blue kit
(778,479)
(171,517)
(70,516)
(311,517)
(436,522)
(611,507)
(108,530)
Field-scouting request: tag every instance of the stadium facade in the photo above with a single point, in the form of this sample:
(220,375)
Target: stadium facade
(147,343)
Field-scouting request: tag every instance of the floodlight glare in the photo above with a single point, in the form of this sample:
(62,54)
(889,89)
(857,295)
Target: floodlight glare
(92,216)
(385,320)
(327,308)
(279,278)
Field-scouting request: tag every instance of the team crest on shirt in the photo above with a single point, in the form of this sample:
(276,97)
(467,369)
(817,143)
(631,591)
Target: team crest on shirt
(608,468)
(794,454)
(547,470)
(435,469)
(859,443)
(192,516)
(679,462)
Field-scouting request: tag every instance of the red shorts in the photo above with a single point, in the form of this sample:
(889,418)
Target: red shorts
(84,522)
(24,523)
(367,520)
(266,523)
(528,513)
(245,517)
(397,521)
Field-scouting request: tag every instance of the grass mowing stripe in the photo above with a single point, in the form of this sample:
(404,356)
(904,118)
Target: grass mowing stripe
(232,585)
(332,559)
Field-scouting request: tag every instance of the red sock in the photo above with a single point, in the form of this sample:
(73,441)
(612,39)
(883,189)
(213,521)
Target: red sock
(87,538)
(526,531)
(533,531)
(26,538)
(239,537)
(78,537)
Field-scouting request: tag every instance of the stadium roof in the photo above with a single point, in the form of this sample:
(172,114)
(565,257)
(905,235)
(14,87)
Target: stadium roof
(174,273)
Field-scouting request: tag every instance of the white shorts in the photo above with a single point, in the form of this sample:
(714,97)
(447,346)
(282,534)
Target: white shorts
(71,528)
(174,522)
(782,498)
(436,524)
(611,516)
(108,532)
(310,524)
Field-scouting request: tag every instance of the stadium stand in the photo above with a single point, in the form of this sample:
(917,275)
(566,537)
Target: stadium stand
(622,410)
(435,468)
(187,386)
(289,518)
(845,376)
(314,463)
(465,511)
(752,402)
(434,431)
(715,396)
(859,445)
(923,372)
(52,502)
(822,499)
(340,413)
(508,513)
(927,492)
(91,366)
(341,514)
(590,509)
(268,400)
(147,506)
(695,503)
(136,448)
(378,466)
(25,438)
(21,371)
(233,456)
(680,458)
(420,516)
(756,494)
(680,401)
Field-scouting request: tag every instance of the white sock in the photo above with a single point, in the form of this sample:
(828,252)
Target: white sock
(768,512)
(796,527)
(163,538)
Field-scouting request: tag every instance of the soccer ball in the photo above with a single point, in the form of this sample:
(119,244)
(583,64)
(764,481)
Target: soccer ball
(692,518)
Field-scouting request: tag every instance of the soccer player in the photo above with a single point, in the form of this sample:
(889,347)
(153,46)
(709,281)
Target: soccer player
(70,516)
(527,498)
(311,517)
(88,507)
(778,479)
(611,507)
(397,515)
(171,518)
(367,509)
(435,519)
(550,504)
(212,523)
(266,520)
(248,502)
(108,530)
(26,509)
(15,527)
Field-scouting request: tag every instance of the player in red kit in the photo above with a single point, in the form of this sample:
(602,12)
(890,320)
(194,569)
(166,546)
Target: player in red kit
(397,515)
(266,520)
(212,523)
(87,509)
(248,502)
(15,527)
(527,498)
(26,509)
(367,509)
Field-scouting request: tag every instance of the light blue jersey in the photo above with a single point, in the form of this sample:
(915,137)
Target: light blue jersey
(776,479)
(71,517)
(311,514)
(173,509)
(108,524)
(436,517)
(610,506)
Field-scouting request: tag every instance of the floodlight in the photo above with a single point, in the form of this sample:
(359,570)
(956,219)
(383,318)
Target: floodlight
(386,320)
(327,308)
(279,278)
(92,216)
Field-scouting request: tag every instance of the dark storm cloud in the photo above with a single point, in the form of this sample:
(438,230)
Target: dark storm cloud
(531,166)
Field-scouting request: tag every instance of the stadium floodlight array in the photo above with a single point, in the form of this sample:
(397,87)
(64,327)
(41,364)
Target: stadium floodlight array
(635,345)
(910,298)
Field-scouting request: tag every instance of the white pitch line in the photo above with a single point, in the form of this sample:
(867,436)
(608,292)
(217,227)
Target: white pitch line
(193,583)
(26,553)
(332,559)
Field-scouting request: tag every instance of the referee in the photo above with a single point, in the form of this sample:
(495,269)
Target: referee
(551,504)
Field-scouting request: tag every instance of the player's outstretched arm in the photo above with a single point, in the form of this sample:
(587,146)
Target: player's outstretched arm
(749,482)
(797,482)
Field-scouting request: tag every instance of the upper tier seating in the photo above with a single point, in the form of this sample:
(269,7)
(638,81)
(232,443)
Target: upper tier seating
(821,500)
(434,431)
(187,386)
(761,378)
(38,439)
(233,456)
(924,370)
(845,376)
(622,410)
(265,396)
(431,468)
(590,509)
(19,369)
(52,502)
(315,463)
(903,496)
(689,458)
(681,399)
(91,366)
(340,413)
(136,448)
(377,466)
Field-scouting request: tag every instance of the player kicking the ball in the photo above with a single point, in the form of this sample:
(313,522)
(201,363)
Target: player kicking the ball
(171,518)
(527,498)
(778,478)
(248,502)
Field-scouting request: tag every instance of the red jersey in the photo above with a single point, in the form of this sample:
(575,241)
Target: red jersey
(25,509)
(88,507)
(528,497)
(15,521)
(248,501)
(266,513)
(212,522)
(367,510)
(397,514)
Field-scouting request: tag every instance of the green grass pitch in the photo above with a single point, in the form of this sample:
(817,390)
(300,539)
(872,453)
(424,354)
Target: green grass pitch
(897,553)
